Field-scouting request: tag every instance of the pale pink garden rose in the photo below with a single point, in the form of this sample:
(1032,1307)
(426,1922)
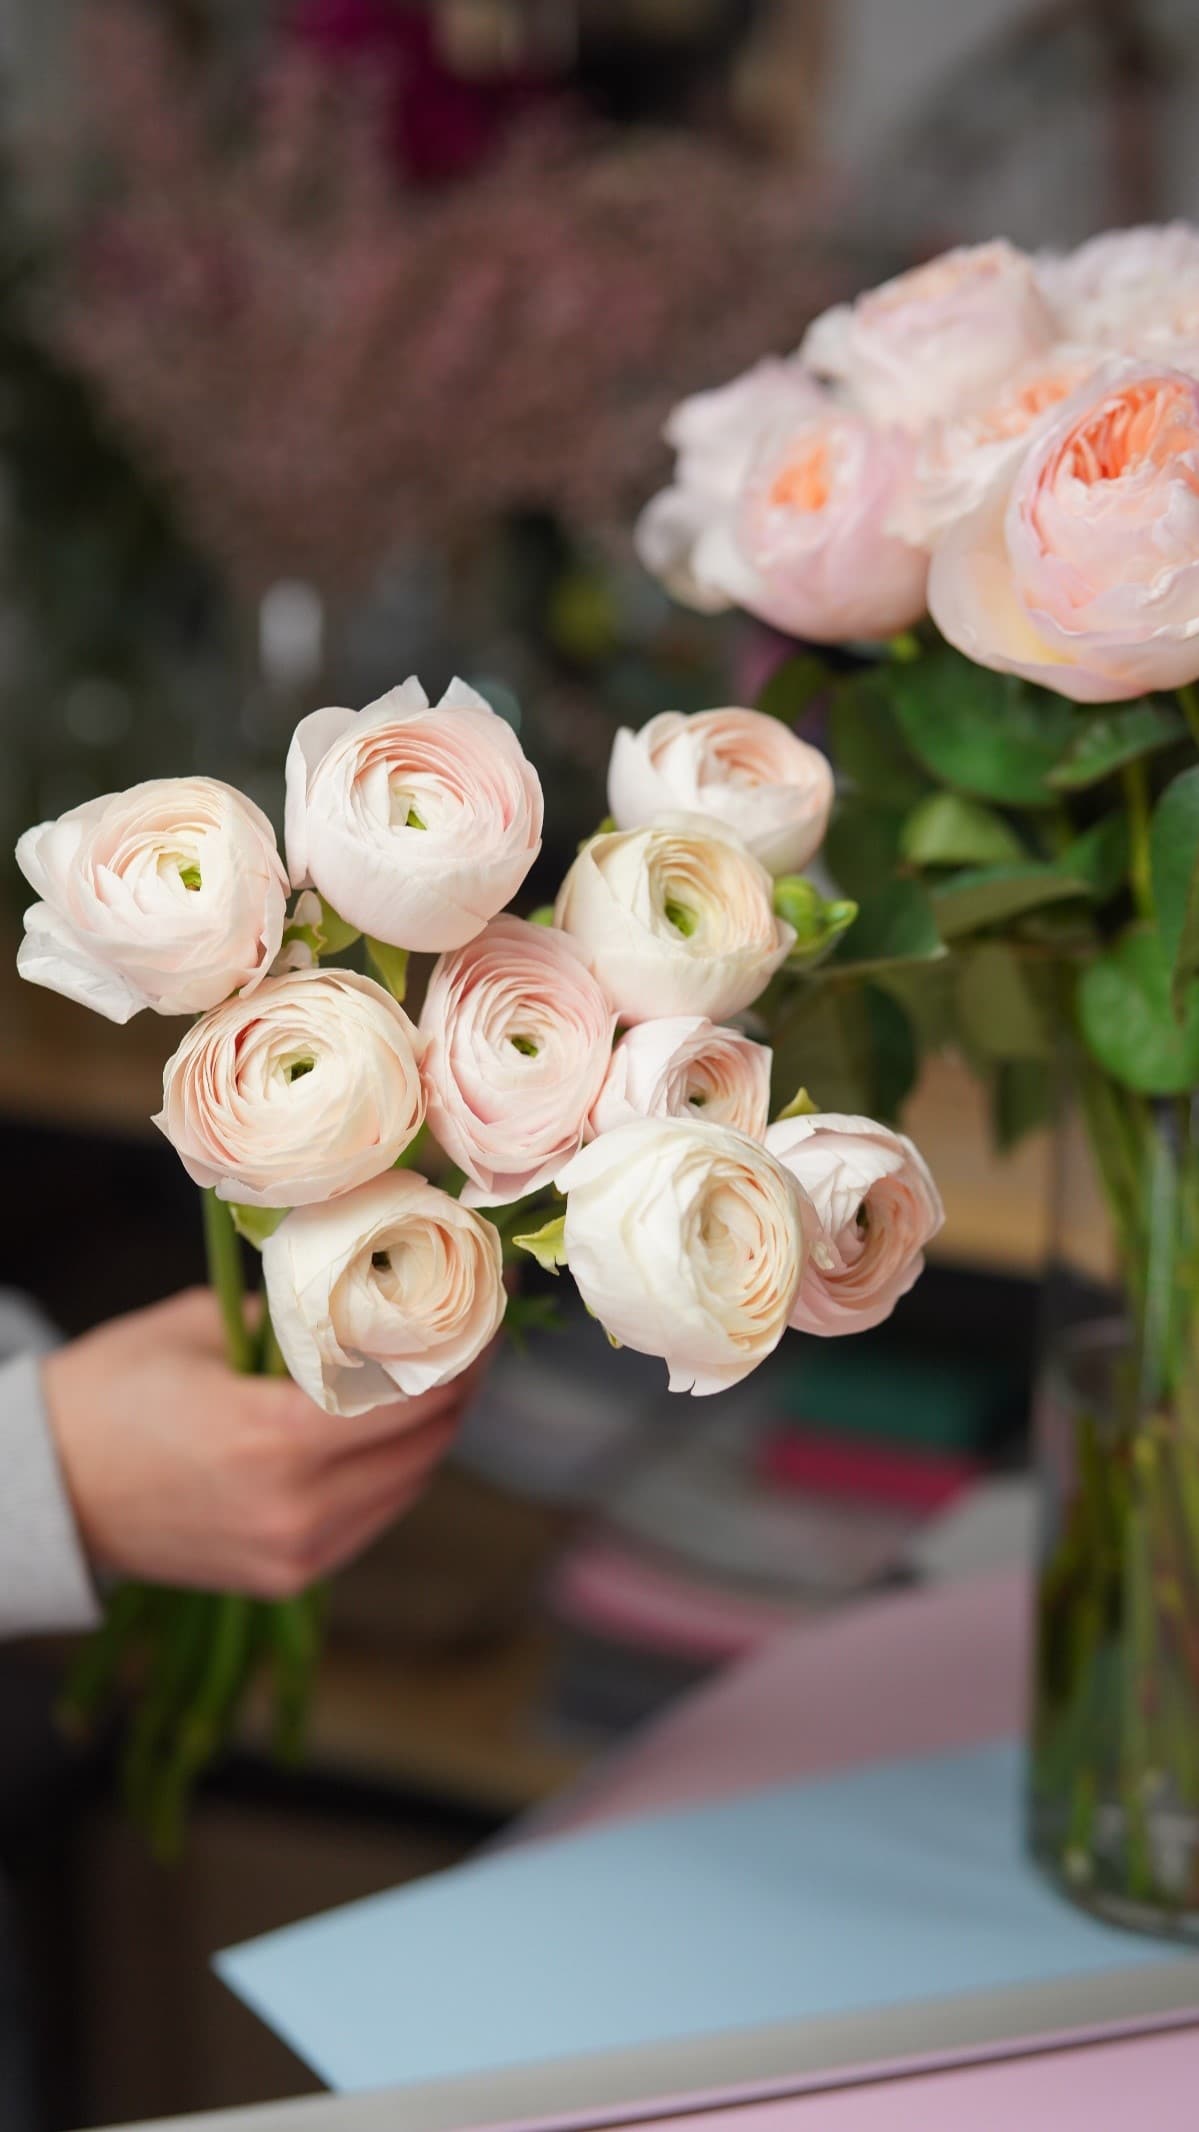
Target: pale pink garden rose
(674,919)
(959,458)
(740,767)
(1080,567)
(878,1208)
(934,340)
(685,1066)
(689,1242)
(517,1037)
(417,824)
(301,1092)
(1130,289)
(170,896)
(800,537)
(392,1288)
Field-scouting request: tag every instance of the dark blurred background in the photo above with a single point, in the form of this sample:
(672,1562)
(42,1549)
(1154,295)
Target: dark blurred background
(336,338)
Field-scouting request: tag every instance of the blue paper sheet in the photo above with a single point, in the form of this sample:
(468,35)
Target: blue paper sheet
(877,1887)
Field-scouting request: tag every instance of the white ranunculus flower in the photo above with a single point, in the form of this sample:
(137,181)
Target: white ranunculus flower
(171,896)
(302,1092)
(687,1241)
(394,1287)
(518,1037)
(674,919)
(417,824)
(878,1207)
(684,1067)
(741,767)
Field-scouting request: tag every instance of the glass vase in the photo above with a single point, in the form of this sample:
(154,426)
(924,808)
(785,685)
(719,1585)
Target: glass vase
(1114,1771)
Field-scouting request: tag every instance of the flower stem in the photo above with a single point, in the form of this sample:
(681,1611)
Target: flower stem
(225,1274)
(1140,874)
(1188,699)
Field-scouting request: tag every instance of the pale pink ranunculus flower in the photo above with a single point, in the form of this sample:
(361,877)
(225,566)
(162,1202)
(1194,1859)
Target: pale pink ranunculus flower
(1080,566)
(877,1206)
(1129,289)
(416,823)
(517,1038)
(687,1241)
(935,339)
(170,895)
(796,531)
(392,1288)
(685,1066)
(741,767)
(959,457)
(677,918)
(299,1092)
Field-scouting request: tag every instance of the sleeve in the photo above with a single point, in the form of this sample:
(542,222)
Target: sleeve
(45,1584)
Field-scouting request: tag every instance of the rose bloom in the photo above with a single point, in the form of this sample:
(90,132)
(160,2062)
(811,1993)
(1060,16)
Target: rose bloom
(741,767)
(1080,567)
(416,824)
(1129,289)
(171,896)
(800,536)
(392,1287)
(518,1037)
(958,459)
(298,1093)
(684,1066)
(877,1207)
(930,342)
(687,1241)
(674,919)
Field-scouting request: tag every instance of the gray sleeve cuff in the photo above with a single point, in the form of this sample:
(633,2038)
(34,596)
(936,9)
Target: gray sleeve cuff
(45,1584)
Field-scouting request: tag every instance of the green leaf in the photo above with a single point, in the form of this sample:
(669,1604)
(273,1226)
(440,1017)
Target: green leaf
(794,688)
(1000,1013)
(867,746)
(800,1106)
(1099,857)
(861,848)
(990,895)
(987,735)
(390,966)
(1126,1011)
(894,925)
(817,925)
(547,1245)
(947,830)
(1022,1101)
(1111,739)
(1174,859)
(851,1044)
(257,1223)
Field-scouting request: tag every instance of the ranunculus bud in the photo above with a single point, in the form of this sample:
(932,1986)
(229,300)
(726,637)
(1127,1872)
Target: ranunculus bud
(687,1241)
(416,824)
(170,895)
(674,919)
(878,1207)
(304,1090)
(741,767)
(394,1287)
(518,1038)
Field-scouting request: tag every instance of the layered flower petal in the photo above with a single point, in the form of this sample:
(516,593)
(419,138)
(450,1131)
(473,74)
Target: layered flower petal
(740,767)
(877,1206)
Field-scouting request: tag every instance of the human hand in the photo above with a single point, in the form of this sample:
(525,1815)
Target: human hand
(182,1472)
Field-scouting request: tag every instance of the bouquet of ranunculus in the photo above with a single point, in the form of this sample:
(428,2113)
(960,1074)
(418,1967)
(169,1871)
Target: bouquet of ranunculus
(1010,447)
(594,1077)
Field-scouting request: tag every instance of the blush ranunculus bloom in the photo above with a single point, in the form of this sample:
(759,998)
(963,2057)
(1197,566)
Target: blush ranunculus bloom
(877,1206)
(674,919)
(687,1241)
(171,896)
(1129,289)
(787,515)
(416,823)
(684,1067)
(933,340)
(518,1036)
(959,458)
(392,1288)
(302,1091)
(1080,567)
(740,767)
